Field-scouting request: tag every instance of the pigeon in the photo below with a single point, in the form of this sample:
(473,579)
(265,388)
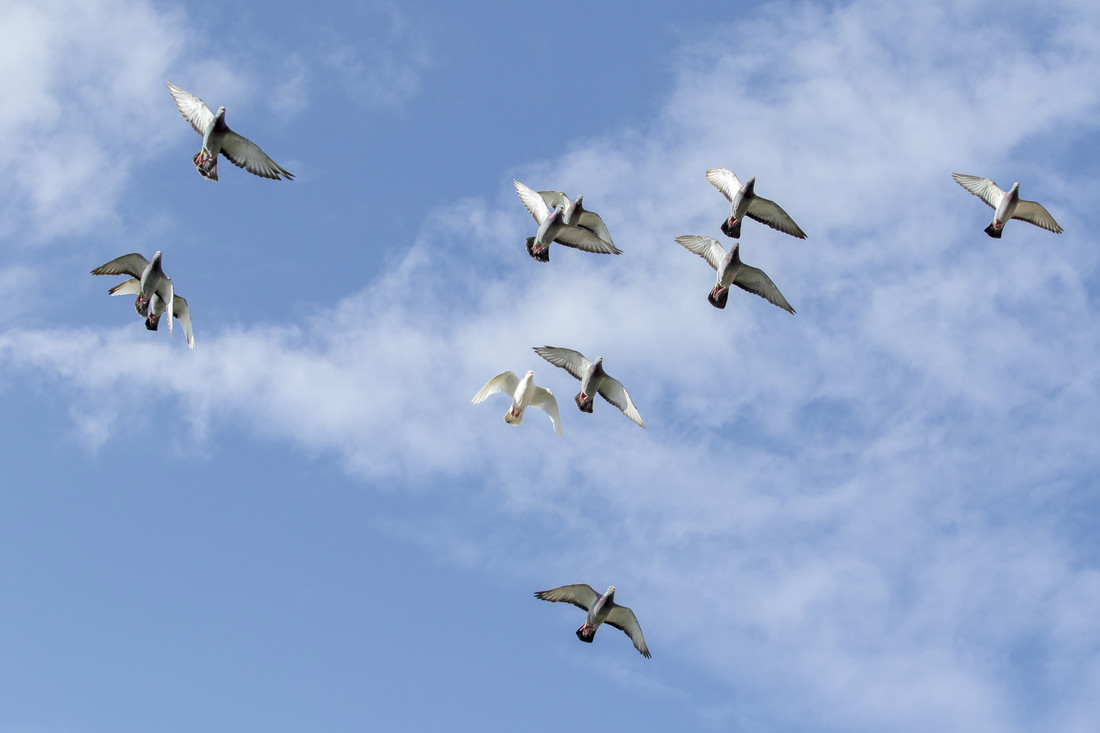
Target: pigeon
(593,379)
(151,310)
(601,609)
(732,271)
(574,214)
(1006,205)
(525,393)
(218,138)
(151,281)
(743,202)
(552,228)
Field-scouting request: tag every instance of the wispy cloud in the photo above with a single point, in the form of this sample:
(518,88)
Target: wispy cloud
(865,511)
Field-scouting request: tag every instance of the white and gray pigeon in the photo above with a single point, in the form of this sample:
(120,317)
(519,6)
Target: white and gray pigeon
(601,610)
(593,379)
(1006,205)
(151,311)
(732,271)
(552,228)
(574,214)
(151,281)
(744,202)
(218,138)
(525,393)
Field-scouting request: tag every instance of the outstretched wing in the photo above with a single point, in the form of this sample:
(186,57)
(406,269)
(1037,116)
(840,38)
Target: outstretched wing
(770,213)
(544,400)
(246,154)
(623,619)
(580,595)
(555,198)
(568,359)
(725,181)
(612,390)
(709,248)
(1033,213)
(983,188)
(132,264)
(757,282)
(572,236)
(506,381)
(193,109)
(127,287)
(532,201)
(183,314)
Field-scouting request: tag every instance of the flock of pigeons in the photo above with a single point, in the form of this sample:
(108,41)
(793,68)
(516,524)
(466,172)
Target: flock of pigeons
(559,220)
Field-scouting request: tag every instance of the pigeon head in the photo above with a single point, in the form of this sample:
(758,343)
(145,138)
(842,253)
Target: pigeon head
(530,372)
(747,188)
(610,591)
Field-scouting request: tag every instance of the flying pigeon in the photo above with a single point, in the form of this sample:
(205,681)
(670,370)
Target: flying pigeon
(151,281)
(743,202)
(152,309)
(524,394)
(552,228)
(601,609)
(732,271)
(593,379)
(1006,205)
(218,138)
(574,214)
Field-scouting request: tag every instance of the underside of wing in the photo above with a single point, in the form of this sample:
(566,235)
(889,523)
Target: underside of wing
(725,181)
(756,281)
(623,619)
(132,264)
(1033,213)
(183,315)
(770,213)
(246,154)
(544,400)
(613,391)
(578,238)
(983,188)
(532,201)
(580,595)
(568,359)
(706,247)
(193,109)
(127,287)
(555,198)
(594,223)
(506,381)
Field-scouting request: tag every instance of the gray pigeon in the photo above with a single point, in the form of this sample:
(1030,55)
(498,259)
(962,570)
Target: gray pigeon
(1006,205)
(732,271)
(574,214)
(593,379)
(218,138)
(525,393)
(552,228)
(601,609)
(744,202)
(151,281)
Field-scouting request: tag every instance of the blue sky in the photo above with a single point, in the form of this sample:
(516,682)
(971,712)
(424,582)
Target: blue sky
(877,514)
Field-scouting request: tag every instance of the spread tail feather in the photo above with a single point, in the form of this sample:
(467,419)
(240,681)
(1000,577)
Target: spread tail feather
(513,419)
(732,231)
(585,634)
(994,232)
(718,298)
(206,166)
(585,405)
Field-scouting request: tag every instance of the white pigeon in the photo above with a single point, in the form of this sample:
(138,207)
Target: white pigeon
(525,393)
(574,214)
(593,379)
(601,610)
(732,271)
(552,228)
(153,309)
(151,281)
(1006,205)
(744,202)
(218,138)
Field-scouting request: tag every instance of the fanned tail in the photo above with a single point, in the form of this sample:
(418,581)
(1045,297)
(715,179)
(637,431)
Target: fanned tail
(206,165)
(584,404)
(732,231)
(586,634)
(718,298)
(994,232)
(542,256)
